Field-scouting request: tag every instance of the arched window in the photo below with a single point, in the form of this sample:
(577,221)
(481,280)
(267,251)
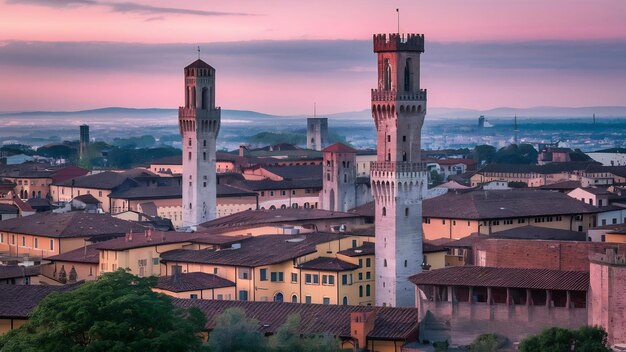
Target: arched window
(278,297)
(406,263)
(189,155)
(407,75)
(193,97)
(272,207)
(368,290)
(345,301)
(205,98)
(361,291)
(406,211)
(343,163)
(187,97)
(294,299)
(189,142)
(283,206)
(385,263)
(345,178)
(384,211)
(203,155)
(204,143)
(387,75)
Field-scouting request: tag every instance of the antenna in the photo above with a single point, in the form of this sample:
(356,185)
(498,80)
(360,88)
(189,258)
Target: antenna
(398,11)
(198,52)
(314,109)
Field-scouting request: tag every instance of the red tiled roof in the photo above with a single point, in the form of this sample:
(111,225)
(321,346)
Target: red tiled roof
(540,279)
(328,264)
(339,148)
(366,249)
(199,64)
(17,271)
(192,282)
(88,255)
(389,324)
(17,301)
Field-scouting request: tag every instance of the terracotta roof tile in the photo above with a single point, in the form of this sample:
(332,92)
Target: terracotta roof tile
(366,249)
(540,279)
(389,324)
(192,282)
(328,264)
(339,148)
(17,301)
(17,271)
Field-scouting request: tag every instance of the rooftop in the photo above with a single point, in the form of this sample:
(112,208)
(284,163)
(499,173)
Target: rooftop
(275,216)
(68,225)
(88,255)
(17,301)
(551,168)
(328,264)
(390,323)
(255,251)
(87,199)
(563,185)
(192,282)
(366,249)
(339,148)
(478,205)
(104,180)
(539,279)
(540,233)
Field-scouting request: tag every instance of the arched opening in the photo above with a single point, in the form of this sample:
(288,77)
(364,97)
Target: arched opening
(193,97)
(403,156)
(385,263)
(361,291)
(205,98)
(187,97)
(294,299)
(384,211)
(278,297)
(283,206)
(344,301)
(387,75)
(331,205)
(407,75)
(368,290)
(272,207)
(345,178)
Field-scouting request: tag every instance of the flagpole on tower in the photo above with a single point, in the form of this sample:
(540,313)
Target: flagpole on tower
(398,11)
(198,52)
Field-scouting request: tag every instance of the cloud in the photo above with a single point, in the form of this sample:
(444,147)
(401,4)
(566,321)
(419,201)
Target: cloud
(127,7)
(315,57)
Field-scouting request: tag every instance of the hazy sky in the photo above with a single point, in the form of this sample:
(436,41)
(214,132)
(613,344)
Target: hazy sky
(281,56)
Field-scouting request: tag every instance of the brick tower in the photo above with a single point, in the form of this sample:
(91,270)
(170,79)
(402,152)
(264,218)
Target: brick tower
(606,303)
(398,178)
(339,184)
(199,124)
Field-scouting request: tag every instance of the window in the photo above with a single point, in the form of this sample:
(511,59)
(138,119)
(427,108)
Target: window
(23,241)
(244,273)
(278,297)
(36,242)
(367,290)
(345,301)
(316,279)
(331,280)
(220,297)
(344,279)
(426,220)
(368,275)
(215,271)
(155,261)
(193,296)
(243,295)
(324,279)
(384,211)
(360,276)
(353,243)
(294,299)
(406,211)
(360,263)
(361,291)
(308,279)
(277,276)
(385,263)
(294,277)
(326,300)
(1,238)
(308,299)
(368,262)
(263,274)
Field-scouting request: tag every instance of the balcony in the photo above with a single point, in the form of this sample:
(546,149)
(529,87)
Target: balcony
(390,166)
(393,95)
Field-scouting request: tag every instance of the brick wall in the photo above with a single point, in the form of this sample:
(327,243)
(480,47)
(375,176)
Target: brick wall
(558,255)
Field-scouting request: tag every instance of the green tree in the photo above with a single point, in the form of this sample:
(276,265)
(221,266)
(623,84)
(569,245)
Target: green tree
(484,153)
(288,338)
(485,343)
(118,313)
(585,339)
(234,332)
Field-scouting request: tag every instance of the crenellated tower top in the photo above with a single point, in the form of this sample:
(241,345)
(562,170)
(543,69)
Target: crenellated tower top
(398,42)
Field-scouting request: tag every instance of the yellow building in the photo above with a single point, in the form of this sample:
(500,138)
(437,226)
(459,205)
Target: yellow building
(304,268)
(457,215)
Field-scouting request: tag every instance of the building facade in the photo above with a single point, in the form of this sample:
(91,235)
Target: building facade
(398,177)
(199,124)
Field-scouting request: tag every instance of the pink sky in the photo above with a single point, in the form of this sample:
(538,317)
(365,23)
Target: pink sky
(293,90)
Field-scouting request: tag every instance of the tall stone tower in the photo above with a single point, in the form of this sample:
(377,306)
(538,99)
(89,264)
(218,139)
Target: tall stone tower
(339,185)
(199,124)
(316,133)
(398,178)
(83,141)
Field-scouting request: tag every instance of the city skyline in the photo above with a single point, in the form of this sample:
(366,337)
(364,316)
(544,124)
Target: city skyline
(91,54)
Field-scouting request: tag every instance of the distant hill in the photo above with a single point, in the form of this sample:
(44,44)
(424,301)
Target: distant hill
(433,112)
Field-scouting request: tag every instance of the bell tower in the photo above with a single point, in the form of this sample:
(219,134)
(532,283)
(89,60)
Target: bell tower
(199,125)
(399,178)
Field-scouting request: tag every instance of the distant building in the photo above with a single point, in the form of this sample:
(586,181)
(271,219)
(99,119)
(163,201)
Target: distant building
(481,121)
(84,141)
(316,133)
(339,178)
(610,157)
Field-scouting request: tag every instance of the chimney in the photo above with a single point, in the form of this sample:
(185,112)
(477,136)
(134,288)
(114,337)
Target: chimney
(361,324)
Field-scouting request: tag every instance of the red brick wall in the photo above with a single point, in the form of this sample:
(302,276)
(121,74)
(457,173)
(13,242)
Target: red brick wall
(558,255)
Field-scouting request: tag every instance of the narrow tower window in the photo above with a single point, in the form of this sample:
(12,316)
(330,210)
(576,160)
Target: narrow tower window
(407,76)
(387,75)
(205,98)
(384,211)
